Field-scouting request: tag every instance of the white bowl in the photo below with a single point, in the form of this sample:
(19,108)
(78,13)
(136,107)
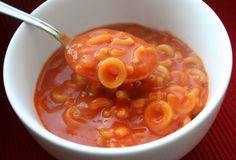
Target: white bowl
(192,21)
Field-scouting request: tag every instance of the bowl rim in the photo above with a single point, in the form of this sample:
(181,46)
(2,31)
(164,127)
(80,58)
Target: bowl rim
(50,137)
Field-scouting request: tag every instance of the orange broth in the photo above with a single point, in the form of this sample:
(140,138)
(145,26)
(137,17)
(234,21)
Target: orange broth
(84,111)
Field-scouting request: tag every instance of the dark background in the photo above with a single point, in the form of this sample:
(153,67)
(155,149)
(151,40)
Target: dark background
(218,144)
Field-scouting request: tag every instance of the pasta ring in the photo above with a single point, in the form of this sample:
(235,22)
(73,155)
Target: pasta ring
(155,123)
(185,107)
(112,72)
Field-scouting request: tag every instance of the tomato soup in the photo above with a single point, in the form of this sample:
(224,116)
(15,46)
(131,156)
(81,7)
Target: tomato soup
(88,112)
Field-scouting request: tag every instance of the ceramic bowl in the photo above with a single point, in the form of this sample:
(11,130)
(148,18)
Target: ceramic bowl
(192,21)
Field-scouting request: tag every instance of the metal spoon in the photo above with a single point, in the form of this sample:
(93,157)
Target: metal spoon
(16,13)
(64,39)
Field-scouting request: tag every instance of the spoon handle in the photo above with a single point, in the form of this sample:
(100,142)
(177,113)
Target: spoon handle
(14,12)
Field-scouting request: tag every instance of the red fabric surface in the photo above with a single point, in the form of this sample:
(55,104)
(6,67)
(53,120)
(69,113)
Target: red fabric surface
(218,144)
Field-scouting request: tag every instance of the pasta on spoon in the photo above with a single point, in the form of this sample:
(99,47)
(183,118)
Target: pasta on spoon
(111,57)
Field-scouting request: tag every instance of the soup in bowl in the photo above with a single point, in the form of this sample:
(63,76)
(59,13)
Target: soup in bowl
(191,25)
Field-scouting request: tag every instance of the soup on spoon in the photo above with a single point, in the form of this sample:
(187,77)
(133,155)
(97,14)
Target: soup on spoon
(111,57)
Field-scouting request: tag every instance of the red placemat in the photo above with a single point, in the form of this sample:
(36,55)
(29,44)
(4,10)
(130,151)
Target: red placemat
(218,144)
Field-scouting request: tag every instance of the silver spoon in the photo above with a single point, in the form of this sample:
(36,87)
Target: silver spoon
(16,13)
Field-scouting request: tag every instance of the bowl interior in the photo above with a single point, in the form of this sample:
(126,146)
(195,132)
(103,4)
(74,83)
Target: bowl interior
(191,21)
